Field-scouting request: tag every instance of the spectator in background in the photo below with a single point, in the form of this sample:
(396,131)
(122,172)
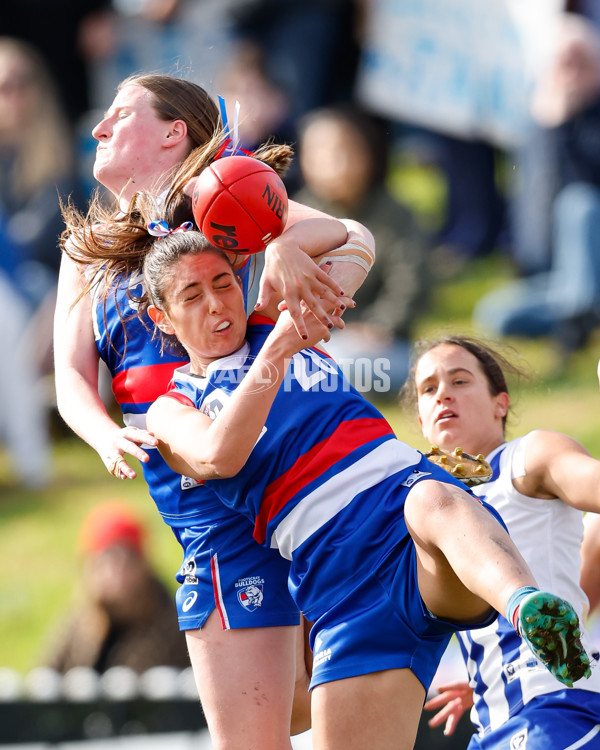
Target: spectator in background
(475,214)
(36,167)
(310,47)
(264,107)
(312,75)
(125,615)
(563,302)
(58,30)
(587,8)
(36,161)
(343,156)
(266,110)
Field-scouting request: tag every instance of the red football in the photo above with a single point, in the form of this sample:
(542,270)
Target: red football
(240,204)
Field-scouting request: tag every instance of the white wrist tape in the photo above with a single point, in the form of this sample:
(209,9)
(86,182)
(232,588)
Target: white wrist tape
(349,259)
(353,251)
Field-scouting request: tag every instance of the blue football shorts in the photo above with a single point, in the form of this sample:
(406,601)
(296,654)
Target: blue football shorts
(382,624)
(225,568)
(566,720)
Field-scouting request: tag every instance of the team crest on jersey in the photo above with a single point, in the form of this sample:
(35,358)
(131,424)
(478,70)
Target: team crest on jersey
(414,476)
(188,483)
(214,403)
(512,669)
(135,290)
(188,571)
(519,740)
(250,592)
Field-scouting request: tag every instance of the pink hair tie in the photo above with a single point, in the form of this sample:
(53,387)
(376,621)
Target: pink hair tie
(161,228)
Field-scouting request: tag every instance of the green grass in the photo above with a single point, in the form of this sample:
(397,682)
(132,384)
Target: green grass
(39,573)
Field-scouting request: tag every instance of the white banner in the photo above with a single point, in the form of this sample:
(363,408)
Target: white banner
(464,67)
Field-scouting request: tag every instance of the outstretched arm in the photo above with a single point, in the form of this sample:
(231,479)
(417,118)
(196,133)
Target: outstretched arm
(291,276)
(194,445)
(352,261)
(76,376)
(558,466)
(290,273)
(590,559)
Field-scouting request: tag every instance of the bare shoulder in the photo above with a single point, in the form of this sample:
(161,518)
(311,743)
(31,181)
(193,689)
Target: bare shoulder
(546,445)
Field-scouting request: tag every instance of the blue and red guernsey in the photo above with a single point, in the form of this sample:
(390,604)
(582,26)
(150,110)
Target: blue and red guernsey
(326,469)
(140,374)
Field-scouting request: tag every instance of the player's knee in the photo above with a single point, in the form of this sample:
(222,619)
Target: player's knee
(429,502)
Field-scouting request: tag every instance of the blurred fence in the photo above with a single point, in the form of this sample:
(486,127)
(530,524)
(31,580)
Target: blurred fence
(45,706)
(159,708)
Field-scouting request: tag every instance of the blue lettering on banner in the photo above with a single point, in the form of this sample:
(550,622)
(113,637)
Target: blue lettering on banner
(460,66)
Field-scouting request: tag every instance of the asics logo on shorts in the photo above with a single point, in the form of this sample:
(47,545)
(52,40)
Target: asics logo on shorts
(519,741)
(189,601)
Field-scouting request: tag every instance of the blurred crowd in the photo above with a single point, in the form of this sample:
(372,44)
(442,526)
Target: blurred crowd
(122,614)
(535,200)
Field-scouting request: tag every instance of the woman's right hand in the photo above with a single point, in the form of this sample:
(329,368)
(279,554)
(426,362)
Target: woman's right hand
(454,698)
(125,440)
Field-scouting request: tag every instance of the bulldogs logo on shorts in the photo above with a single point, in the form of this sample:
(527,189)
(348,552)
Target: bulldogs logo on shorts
(250,597)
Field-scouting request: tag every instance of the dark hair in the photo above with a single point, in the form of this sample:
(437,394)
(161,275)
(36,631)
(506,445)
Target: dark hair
(493,365)
(159,271)
(371,130)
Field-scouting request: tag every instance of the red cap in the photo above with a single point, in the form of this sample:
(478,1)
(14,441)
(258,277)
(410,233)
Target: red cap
(110,523)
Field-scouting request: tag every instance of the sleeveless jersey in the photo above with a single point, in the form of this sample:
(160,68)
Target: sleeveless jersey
(503,672)
(140,374)
(324,482)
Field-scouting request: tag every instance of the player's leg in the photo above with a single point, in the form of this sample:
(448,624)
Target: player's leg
(245,680)
(380,711)
(466,561)
(301,703)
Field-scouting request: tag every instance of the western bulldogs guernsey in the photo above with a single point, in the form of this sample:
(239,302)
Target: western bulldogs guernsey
(503,672)
(140,374)
(322,478)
